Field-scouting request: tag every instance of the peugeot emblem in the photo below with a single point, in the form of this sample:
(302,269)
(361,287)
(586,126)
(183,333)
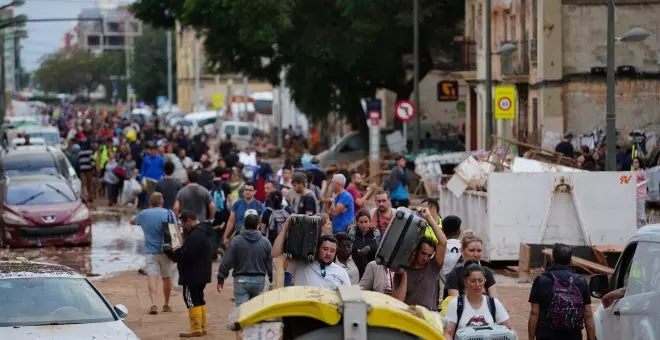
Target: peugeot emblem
(48,219)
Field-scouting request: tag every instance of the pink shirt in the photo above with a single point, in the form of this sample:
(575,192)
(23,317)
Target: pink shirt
(641,176)
(356,194)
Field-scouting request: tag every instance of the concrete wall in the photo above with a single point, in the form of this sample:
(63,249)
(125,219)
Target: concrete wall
(637,106)
(585,27)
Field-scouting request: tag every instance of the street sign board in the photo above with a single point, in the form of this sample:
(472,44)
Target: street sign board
(404,110)
(505,102)
(448,91)
(218,100)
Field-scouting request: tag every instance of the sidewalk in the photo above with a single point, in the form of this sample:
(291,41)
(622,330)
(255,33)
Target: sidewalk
(130,289)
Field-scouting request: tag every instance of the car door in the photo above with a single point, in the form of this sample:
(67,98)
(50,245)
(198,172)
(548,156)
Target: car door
(637,314)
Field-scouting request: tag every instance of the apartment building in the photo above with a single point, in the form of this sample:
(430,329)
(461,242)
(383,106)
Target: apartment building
(116,31)
(558,67)
(187,41)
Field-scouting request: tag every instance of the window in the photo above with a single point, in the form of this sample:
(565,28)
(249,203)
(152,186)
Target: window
(13,166)
(354,143)
(243,131)
(230,130)
(93,40)
(64,167)
(113,26)
(622,271)
(535,19)
(39,193)
(36,301)
(643,275)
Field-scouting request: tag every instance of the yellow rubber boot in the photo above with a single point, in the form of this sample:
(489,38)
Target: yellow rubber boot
(205,330)
(195,323)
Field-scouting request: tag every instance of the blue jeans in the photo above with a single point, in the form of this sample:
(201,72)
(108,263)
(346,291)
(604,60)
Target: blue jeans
(247,287)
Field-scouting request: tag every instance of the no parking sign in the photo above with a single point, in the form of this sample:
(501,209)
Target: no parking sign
(505,102)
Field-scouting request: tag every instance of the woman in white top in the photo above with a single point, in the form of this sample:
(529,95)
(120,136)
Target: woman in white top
(478,309)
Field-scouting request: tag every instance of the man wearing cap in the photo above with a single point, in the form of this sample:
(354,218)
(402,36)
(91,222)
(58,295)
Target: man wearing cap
(238,210)
(194,262)
(249,255)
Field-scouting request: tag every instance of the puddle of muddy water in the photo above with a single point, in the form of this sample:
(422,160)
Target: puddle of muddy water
(116,246)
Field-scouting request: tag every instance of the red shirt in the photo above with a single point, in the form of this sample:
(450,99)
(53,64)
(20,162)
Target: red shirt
(356,194)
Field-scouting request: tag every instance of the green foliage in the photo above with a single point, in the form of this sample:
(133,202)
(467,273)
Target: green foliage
(71,71)
(335,51)
(149,66)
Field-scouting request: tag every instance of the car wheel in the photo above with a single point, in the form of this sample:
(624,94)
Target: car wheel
(337,333)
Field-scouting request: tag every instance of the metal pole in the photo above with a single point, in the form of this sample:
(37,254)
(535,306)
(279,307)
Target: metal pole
(17,56)
(170,90)
(489,80)
(418,120)
(245,98)
(280,109)
(3,81)
(128,76)
(197,73)
(610,116)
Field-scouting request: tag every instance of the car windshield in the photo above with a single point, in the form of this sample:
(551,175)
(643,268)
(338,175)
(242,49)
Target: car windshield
(184,122)
(28,165)
(36,301)
(39,193)
(52,138)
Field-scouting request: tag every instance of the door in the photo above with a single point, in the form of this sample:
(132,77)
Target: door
(473,120)
(610,323)
(637,314)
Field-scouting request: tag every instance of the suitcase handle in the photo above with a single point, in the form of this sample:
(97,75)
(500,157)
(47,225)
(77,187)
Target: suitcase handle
(482,328)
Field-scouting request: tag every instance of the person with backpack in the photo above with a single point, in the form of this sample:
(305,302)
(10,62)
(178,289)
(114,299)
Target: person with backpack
(274,216)
(561,302)
(474,308)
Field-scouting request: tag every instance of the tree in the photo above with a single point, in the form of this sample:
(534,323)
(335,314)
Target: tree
(149,67)
(75,70)
(336,52)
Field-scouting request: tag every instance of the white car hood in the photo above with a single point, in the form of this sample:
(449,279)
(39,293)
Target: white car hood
(115,330)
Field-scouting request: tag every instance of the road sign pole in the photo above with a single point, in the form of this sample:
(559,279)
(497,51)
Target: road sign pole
(405,136)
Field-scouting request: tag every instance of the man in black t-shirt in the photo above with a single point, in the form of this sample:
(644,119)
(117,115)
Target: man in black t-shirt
(565,146)
(168,186)
(303,200)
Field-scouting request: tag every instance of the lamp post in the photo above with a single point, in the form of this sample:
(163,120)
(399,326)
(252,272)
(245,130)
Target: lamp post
(17,21)
(505,49)
(418,124)
(634,35)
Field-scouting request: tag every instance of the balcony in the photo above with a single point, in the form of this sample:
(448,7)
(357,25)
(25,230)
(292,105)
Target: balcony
(515,66)
(464,55)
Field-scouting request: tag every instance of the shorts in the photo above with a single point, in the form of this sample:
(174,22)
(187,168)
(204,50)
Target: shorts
(159,264)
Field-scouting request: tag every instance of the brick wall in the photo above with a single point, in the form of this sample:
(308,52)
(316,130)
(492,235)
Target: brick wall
(637,105)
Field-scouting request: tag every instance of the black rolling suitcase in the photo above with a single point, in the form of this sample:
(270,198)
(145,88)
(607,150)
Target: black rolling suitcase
(302,237)
(401,239)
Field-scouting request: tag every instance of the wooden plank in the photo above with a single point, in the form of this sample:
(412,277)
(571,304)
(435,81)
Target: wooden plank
(524,257)
(585,264)
(600,256)
(608,248)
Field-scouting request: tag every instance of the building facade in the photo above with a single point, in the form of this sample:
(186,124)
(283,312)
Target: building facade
(10,45)
(558,67)
(117,30)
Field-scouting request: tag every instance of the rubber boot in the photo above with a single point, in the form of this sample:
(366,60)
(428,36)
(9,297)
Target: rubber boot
(205,330)
(195,323)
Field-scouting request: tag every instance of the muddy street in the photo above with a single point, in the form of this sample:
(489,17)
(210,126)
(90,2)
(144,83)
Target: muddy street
(116,246)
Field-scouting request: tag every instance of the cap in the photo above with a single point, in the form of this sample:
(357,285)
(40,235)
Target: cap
(251,212)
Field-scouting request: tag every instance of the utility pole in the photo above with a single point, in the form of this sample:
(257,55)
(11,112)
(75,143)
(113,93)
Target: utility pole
(129,88)
(489,80)
(170,90)
(246,93)
(198,91)
(280,108)
(610,115)
(418,119)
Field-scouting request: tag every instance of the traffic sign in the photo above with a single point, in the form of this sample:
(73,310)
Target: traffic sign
(404,110)
(218,100)
(505,102)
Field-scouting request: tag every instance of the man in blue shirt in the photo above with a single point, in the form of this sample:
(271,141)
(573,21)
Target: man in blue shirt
(342,210)
(397,184)
(152,165)
(158,264)
(237,215)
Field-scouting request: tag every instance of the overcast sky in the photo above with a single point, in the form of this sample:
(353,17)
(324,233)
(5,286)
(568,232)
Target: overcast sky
(45,37)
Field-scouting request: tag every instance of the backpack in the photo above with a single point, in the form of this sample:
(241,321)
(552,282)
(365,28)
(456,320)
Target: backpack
(218,199)
(460,306)
(566,308)
(352,231)
(276,220)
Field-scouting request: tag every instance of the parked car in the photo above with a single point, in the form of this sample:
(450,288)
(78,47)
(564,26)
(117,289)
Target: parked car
(48,301)
(241,132)
(350,147)
(50,133)
(42,210)
(193,123)
(637,314)
(33,141)
(38,159)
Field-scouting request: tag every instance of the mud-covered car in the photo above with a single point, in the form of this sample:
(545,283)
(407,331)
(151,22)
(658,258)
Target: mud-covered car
(51,302)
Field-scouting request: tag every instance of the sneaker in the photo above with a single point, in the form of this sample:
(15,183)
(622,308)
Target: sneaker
(153,310)
(167,309)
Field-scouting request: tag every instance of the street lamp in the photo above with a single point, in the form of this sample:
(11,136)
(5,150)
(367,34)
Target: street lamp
(15,3)
(506,49)
(634,35)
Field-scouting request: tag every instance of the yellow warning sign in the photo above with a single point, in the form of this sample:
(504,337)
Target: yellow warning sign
(505,102)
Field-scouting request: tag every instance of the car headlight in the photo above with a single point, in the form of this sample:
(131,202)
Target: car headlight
(11,218)
(81,214)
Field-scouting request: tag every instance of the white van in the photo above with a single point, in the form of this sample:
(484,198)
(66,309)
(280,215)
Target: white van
(637,314)
(50,133)
(198,121)
(241,132)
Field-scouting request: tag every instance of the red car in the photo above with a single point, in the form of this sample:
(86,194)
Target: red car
(42,210)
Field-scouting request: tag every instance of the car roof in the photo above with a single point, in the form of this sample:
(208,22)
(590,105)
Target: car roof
(23,269)
(648,233)
(29,152)
(36,128)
